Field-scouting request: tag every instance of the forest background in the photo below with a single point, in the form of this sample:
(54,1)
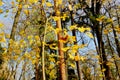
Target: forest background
(59,40)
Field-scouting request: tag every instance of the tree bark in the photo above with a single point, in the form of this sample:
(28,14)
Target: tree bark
(60,44)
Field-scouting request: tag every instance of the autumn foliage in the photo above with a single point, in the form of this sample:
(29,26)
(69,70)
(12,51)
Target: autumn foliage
(59,40)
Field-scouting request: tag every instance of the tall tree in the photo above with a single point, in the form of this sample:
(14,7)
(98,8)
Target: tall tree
(60,44)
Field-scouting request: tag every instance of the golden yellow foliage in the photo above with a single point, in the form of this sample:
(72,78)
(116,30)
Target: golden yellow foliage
(100,19)
(1,3)
(1,25)
(55,18)
(82,29)
(26,12)
(65,49)
(77,58)
(73,27)
(49,4)
(33,1)
(89,34)
(1,10)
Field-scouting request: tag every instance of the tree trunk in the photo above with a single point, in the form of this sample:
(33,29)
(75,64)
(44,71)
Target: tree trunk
(116,65)
(60,44)
(16,19)
(76,54)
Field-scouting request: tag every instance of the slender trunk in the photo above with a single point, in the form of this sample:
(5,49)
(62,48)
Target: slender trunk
(76,54)
(98,31)
(36,71)
(115,35)
(16,19)
(43,53)
(103,56)
(42,48)
(117,69)
(60,44)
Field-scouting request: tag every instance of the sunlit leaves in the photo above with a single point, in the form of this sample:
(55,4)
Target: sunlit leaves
(49,4)
(1,3)
(77,58)
(26,12)
(103,70)
(2,39)
(100,18)
(1,25)
(82,29)
(33,1)
(72,65)
(55,18)
(53,46)
(64,17)
(73,27)
(1,10)
(71,56)
(89,34)
(106,31)
(37,38)
(70,7)
(65,49)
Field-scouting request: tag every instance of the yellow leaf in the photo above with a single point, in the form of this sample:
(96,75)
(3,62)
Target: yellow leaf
(57,30)
(105,31)
(31,42)
(59,1)
(19,6)
(1,25)
(103,70)
(2,39)
(70,7)
(73,27)
(64,17)
(26,6)
(72,65)
(88,29)
(30,37)
(2,34)
(33,61)
(82,58)
(48,4)
(1,3)
(22,32)
(81,29)
(1,10)
(53,47)
(33,1)
(75,47)
(71,56)
(109,20)
(12,3)
(77,58)
(89,34)
(100,18)
(26,12)
(56,18)
(37,38)
(65,49)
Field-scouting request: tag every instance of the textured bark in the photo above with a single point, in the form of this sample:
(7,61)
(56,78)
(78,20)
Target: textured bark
(60,44)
